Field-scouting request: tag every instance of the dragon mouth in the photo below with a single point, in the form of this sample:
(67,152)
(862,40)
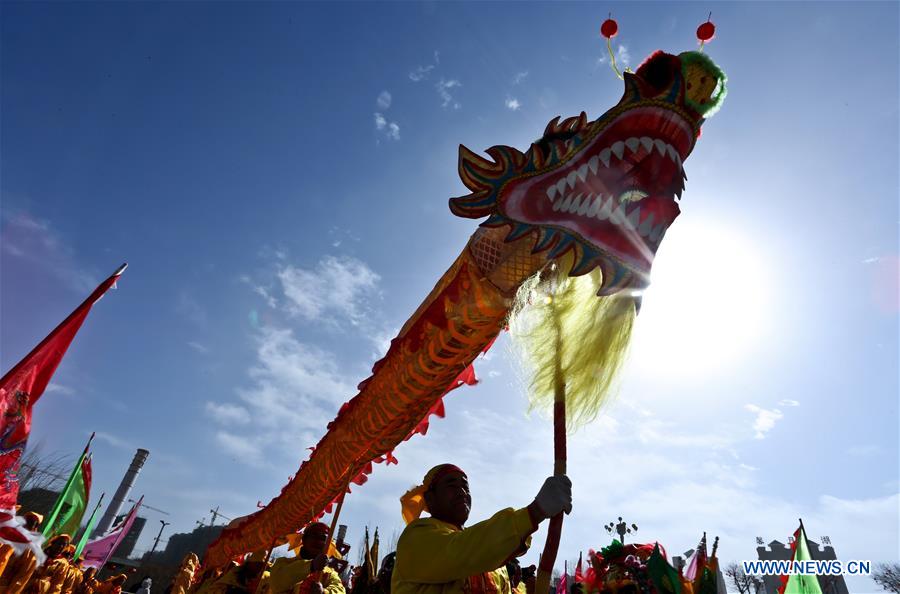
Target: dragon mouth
(616,192)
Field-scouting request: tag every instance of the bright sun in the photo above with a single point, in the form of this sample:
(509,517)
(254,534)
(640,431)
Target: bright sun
(707,304)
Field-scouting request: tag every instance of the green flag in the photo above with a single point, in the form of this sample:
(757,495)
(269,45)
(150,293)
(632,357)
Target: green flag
(802,584)
(664,576)
(708,583)
(90,528)
(65,518)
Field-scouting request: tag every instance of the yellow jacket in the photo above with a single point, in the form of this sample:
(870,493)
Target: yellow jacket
(17,573)
(286,573)
(434,557)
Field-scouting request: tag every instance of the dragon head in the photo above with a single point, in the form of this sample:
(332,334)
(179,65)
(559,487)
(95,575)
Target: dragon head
(605,190)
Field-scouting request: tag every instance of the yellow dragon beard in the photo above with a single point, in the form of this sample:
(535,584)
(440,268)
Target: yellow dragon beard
(562,330)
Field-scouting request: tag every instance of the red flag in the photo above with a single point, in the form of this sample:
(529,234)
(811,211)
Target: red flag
(579,575)
(24,384)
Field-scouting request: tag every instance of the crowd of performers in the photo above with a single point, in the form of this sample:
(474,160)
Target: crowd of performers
(22,572)
(436,554)
(439,554)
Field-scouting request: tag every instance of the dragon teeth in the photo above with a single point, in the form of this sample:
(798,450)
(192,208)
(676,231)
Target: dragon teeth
(618,148)
(606,209)
(634,218)
(586,205)
(576,204)
(593,163)
(660,146)
(582,172)
(604,156)
(551,193)
(647,142)
(595,206)
(561,186)
(633,144)
(571,179)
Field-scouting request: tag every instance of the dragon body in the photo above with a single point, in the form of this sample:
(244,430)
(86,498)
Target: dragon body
(596,194)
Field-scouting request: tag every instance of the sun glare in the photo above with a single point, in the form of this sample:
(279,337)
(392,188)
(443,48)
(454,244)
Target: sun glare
(707,304)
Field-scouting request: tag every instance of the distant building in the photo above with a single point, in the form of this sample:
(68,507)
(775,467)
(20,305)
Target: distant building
(38,500)
(183,543)
(126,547)
(777,551)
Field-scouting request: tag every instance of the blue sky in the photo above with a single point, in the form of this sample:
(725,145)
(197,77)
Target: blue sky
(276,176)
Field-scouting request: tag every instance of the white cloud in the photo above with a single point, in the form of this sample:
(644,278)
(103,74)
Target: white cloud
(513,103)
(390,129)
(264,293)
(863,450)
(421,72)
(295,390)
(765,419)
(443,88)
(623,58)
(338,285)
(241,447)
(384,100)
(37,243)
(519,77)
(788,402)
(228,414)
(198,347)
(55,388)
(114,441)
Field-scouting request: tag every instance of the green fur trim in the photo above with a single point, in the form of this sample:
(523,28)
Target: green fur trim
(721,90)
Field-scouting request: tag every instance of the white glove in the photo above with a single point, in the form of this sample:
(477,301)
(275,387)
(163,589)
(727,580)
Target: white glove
(555,496)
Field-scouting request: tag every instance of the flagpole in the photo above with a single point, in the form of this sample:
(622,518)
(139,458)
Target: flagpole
(92,298)
(48,527)
(122,531)
(87,530)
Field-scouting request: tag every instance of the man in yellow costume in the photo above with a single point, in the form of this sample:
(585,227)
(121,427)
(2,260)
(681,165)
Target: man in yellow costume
(311,562)
(437,555)
(49,578)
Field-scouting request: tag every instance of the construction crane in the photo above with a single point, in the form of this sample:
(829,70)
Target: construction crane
(150,508)
(215,514)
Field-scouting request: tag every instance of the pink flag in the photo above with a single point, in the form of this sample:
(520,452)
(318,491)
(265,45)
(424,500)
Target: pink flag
(698,561)
(563,586)
(98,551)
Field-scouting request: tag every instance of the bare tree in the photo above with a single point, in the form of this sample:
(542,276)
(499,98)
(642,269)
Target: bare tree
(743,582)
(42,470)
(887,575)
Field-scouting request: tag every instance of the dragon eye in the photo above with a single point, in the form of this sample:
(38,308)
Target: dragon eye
(632,196)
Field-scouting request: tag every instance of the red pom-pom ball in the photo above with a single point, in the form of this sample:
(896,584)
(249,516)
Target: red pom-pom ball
(706,31)
(609,28)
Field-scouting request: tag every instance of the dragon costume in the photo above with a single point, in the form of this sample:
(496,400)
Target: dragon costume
(583,210)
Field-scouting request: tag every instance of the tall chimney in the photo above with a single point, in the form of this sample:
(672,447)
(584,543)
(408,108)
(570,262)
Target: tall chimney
(122,492)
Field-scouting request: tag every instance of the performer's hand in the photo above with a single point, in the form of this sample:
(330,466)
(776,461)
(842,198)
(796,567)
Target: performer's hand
(319,563)
(555,496)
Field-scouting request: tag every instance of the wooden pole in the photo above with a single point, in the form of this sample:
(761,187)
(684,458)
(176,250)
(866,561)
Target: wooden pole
(554,531)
